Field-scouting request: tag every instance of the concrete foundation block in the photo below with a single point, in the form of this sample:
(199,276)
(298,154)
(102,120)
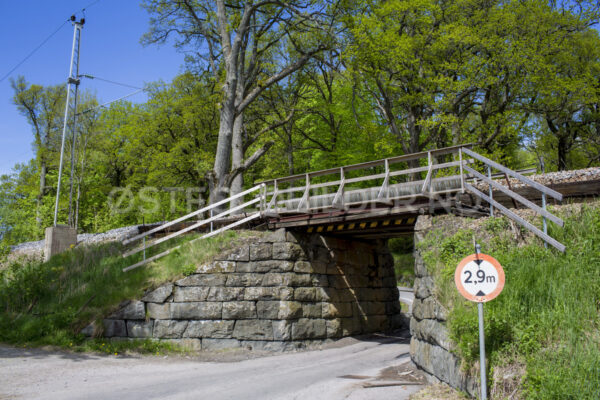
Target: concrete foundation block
(58,239)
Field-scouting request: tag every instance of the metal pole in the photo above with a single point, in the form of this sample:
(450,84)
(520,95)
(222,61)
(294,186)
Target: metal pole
(76,31)
(74,131)
(489,173)
(482,369)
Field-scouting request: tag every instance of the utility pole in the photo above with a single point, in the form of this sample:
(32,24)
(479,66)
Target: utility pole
(72,90)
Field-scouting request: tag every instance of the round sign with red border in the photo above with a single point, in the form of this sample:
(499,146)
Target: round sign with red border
(479,278)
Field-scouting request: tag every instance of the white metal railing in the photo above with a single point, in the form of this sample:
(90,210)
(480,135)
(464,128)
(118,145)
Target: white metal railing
(545,191)
(342,197)
(210,208)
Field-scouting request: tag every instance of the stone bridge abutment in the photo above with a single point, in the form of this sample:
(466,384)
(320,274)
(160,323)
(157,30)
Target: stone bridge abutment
(277,291)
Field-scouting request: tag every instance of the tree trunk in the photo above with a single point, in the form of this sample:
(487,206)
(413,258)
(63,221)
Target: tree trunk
(563,149)
(42,192)
(237,158)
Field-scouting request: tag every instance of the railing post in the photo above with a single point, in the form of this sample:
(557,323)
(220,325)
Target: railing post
(338,199)
(489,173)
(462,176)
(385,187)
(305,200)
(544,222)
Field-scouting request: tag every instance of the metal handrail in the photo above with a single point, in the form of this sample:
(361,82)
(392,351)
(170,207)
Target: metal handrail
(192,214)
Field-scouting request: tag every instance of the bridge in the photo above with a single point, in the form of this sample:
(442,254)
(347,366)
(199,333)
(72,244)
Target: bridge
(375,199)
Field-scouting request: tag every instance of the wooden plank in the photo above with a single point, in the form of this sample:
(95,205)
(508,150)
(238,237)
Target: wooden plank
(168,224)
(561,247)
(515,175)
(516,196)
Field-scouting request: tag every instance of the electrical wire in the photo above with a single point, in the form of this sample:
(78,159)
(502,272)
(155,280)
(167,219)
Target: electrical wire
(109,81)
(110,102)
(44,42)
(34,50)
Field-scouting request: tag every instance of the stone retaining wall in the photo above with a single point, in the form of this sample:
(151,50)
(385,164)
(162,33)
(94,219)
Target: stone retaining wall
(282,291)
(430,347)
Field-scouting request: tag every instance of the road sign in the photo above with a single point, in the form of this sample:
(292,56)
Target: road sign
(479,277)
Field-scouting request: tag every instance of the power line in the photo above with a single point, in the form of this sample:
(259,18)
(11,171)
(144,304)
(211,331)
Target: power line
(34,50)
(109,81)
(44,42)
(110,102)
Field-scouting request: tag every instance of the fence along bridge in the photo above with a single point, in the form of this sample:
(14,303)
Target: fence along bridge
(375,199)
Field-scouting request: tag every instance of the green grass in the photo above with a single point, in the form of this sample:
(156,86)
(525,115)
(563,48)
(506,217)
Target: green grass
(548,314)
(49,303)
(404,260)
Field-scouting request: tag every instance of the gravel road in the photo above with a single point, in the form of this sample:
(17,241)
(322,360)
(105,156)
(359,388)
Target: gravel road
(334,373)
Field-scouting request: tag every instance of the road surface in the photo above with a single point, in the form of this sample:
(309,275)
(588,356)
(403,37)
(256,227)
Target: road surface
(341,372)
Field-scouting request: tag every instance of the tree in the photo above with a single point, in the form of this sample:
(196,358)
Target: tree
(43,107)
(238,41)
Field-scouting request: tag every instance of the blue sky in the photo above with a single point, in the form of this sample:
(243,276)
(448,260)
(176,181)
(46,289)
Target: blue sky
(110,49)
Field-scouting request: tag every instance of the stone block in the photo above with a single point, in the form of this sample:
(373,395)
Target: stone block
(225,294)
(219,344)
(260,251)
(303,267)
(305,294)
(275,236)
(140,329)
(244,279)
(288,251)
(194,310)
(289,310)
(351,326)
(239,310)
(159,310)
(336,310)
(423,287)
(262,293)
(431,331)
(319,280)
(286,293)
(297,280)
(209,329)
(239,253)
(306,328)
(282,330)
(169,329)
(159,295)
(133,310)
(253,330)
(267,309)
(58,239)
(190,293)
(114,328)
(420,267)
(377,323)
(334,328)
(203,280)
(311,310)
(335,269)
(272,266)
(216,267)
(373,307)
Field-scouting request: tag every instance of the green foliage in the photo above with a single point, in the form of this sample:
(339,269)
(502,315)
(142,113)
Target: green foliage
(49,303)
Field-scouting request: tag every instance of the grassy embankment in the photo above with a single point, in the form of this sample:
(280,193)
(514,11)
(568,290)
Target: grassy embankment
(49,303)
(542,332)
(404,260)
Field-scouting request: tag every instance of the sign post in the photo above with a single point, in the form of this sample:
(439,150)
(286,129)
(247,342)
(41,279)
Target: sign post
(480,278)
